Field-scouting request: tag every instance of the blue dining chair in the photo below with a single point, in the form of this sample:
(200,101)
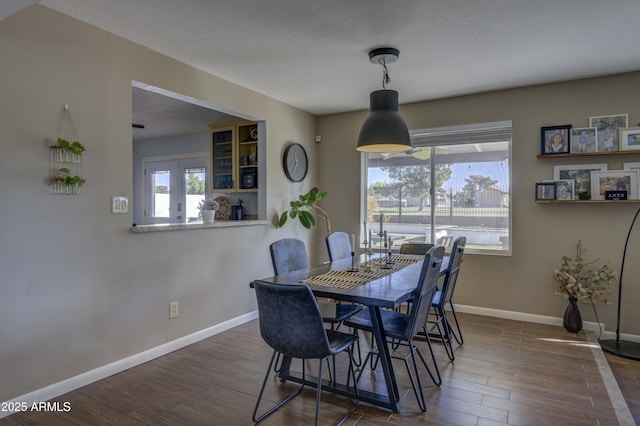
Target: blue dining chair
(289,255)
(338,246)
(291,324)
(402,328)
(444,296)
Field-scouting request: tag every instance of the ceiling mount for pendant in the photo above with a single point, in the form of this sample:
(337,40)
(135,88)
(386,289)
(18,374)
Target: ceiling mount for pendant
(384,55)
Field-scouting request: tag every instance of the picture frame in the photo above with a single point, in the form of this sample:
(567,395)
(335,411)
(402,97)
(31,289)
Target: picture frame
(633,166)
(555,139)
(629,138)
(545,191)
(581,174)
(614,180)
(608,125)
(565,188)
(583,139)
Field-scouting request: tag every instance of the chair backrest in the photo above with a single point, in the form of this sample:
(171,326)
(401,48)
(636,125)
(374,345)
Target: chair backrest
(415,248)
(455,260)
(338,245)
(288,255)
(444,241)
(290,320)
(426,288)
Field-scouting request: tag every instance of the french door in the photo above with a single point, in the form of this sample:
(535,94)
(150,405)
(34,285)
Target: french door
(173,189)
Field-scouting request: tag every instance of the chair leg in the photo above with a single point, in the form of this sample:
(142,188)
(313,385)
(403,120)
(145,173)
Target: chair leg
(458,336)
(435,377)
(279,404)
(443,332)
(415,382)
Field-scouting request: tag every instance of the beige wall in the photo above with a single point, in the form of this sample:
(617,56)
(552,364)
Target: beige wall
(542,234)
(78,290)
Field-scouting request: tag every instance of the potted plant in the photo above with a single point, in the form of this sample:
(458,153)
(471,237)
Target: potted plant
(68,152)
(64,183)
(208,208)
(577,281)
(305,209)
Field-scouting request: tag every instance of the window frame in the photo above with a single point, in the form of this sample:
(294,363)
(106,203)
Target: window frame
(483,131)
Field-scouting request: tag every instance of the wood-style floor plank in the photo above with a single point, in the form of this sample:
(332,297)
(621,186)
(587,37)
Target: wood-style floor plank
(507,373)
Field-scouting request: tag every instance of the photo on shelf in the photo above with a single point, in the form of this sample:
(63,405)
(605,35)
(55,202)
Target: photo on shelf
(565,188)
(633,166)
(545,191)
(555,139)
(629,138)
(614,180)
(608,126)
(584,139)
(581,174)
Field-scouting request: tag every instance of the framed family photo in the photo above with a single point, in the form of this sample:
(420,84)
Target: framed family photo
(545,191)
(614,180)
(608,125)
(565,188)
(555,139)
(583,139)
(580,174)
(629,138)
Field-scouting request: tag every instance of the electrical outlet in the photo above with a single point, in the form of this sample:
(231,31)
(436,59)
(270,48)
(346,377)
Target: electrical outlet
(173,310)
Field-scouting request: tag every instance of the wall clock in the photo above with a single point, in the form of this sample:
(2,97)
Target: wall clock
(295,162)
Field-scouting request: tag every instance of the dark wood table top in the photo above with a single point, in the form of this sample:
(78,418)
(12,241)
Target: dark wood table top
(389,291)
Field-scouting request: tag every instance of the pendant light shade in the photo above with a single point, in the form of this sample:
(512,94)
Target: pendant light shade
(384,130)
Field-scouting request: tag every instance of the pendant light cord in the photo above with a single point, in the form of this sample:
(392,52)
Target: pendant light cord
(385,74)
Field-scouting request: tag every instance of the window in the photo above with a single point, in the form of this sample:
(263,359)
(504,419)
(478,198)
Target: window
(173,189)
(454,181)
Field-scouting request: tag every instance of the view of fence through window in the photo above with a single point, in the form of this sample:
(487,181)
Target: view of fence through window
(470,195)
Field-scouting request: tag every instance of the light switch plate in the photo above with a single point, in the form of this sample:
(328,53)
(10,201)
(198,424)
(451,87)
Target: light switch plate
(119,205)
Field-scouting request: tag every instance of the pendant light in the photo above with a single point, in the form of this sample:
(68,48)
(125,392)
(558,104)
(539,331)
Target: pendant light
(384,130)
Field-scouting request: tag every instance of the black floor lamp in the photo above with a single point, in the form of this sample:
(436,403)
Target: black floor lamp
(619,347)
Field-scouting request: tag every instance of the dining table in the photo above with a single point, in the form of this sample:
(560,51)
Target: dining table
(376,282)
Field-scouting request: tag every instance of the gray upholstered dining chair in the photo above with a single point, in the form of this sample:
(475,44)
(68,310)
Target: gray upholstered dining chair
(291,324)
(402,328)
(444,296)
(290,254)
(415,248)
(338,245)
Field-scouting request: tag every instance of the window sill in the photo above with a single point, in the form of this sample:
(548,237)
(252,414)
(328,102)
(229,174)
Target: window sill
(163,227)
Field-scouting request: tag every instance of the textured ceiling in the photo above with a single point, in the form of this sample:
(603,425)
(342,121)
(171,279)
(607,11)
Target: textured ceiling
(313,53)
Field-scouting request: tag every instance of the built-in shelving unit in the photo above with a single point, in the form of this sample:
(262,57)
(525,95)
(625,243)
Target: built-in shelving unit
(234,157)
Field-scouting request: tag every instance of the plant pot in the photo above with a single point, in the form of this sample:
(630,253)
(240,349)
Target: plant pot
(572,321)
(208,216)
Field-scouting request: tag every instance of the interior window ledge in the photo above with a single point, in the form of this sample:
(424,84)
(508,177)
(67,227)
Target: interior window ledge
(163,227)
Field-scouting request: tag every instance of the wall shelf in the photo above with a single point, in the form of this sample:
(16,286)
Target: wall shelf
(587,201)
(588,154)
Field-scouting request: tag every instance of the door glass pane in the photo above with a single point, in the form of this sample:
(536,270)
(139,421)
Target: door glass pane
(161,181)
(194,183)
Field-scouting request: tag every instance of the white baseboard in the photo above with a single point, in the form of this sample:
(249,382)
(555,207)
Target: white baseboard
(543,319)
(60,388)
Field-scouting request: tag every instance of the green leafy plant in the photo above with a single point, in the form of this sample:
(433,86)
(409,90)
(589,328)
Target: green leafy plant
(579,282)
(74,147)
(209,204)
(305,209)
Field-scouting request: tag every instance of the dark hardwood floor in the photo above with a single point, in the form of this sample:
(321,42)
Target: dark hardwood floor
(507,372)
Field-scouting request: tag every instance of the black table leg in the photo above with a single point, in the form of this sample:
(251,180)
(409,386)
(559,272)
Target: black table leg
(385,358)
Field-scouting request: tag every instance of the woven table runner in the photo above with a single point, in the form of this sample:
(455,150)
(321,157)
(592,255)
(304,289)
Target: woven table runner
(367,271)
